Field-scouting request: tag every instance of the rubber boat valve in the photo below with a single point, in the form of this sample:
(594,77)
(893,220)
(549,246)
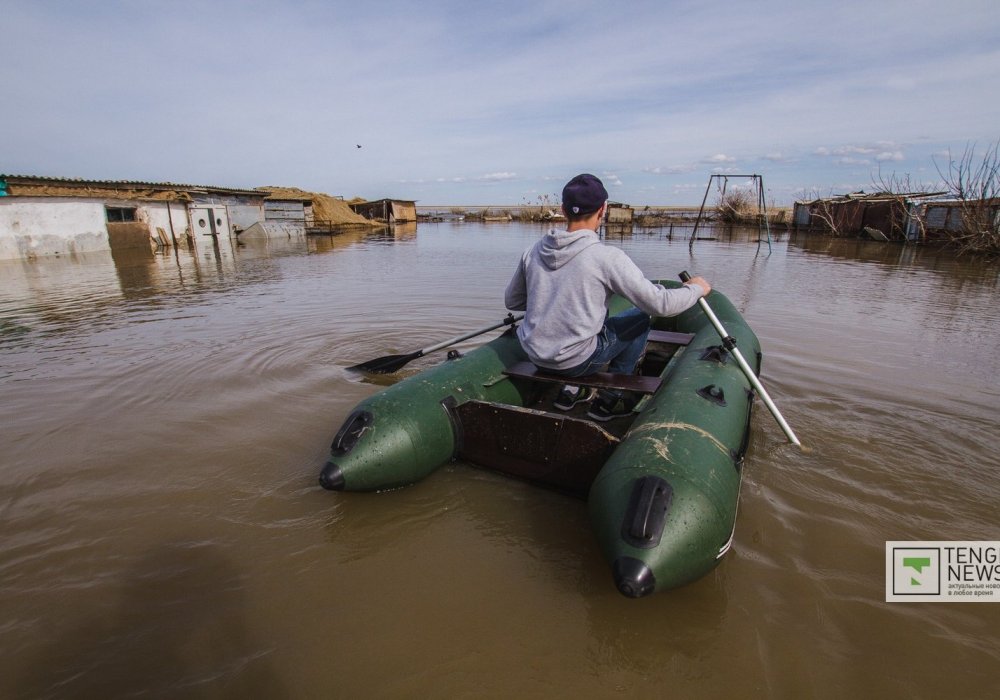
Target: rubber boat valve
(633,578)
(332,478)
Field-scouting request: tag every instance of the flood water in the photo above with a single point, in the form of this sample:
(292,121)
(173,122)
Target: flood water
(164,420)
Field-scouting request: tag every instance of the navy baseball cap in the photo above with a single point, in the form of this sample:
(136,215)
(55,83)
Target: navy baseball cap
(584,194)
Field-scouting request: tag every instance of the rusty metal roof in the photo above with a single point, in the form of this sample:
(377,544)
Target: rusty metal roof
(872,197)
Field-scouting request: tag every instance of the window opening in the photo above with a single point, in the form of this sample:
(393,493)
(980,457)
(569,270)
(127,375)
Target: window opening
(120,214)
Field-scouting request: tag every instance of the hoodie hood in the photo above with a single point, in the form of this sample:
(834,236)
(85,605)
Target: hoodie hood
(559,247)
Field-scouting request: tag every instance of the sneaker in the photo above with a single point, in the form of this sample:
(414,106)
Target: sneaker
(570,396)
(604,409)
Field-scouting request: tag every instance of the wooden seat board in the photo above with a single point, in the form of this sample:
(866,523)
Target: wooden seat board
(599,380)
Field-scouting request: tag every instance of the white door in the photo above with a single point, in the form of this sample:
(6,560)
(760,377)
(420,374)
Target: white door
(210,220)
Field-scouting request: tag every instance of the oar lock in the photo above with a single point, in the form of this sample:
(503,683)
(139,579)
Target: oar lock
(715,353)
(714,394)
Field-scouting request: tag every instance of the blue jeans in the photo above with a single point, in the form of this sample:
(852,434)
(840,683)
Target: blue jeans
(619,346)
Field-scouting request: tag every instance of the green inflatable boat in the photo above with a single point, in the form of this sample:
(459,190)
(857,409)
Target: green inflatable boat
(662,485)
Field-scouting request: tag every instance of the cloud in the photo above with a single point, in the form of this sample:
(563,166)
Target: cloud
(670,169)
(864,154)
(687,187)
(497,177)
(486,91)
(719,158)
(890,156)
(880,150)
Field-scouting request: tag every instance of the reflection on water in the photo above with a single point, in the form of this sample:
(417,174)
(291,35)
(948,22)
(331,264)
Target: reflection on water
(165,416)
(176,626)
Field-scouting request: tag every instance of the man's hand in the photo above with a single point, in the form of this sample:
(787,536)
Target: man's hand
(700,282)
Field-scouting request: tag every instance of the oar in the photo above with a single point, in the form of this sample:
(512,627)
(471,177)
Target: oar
(391,363)
(730,344)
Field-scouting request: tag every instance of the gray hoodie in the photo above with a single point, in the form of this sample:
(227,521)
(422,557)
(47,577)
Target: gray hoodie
(563,284)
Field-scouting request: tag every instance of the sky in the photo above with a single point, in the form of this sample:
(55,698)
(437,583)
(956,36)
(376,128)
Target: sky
(464,103)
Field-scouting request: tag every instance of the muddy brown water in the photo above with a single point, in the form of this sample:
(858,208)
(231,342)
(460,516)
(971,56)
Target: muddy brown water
(164,420)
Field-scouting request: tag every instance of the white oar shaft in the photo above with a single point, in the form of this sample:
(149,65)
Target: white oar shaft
(750,374)
(506,322)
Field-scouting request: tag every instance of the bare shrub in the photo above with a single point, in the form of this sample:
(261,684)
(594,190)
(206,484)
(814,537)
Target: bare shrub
(975,182)
(735,206)
(895,184)
(822,209)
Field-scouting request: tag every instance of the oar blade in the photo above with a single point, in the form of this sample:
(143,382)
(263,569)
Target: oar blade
(387,364)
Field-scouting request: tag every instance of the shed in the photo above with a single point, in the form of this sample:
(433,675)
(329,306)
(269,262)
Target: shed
(619,213)
(953,215)
(893,215)
(387,210)
(52,216)
(288,211)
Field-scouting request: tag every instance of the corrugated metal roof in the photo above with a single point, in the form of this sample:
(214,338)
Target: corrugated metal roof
(131,184)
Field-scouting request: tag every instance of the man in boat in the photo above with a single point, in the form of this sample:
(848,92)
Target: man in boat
(564,282)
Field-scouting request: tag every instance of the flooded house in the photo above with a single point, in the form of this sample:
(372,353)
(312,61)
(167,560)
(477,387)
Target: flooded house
(943,218)
(390,211)
(298,212)
(57,216)
(882,216)
(619,214)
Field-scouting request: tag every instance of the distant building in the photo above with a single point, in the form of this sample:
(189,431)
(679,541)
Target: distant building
(295,211)
(887,216)
(946,216)
(896,217)
(619,213)
(390,211)
(52,216)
